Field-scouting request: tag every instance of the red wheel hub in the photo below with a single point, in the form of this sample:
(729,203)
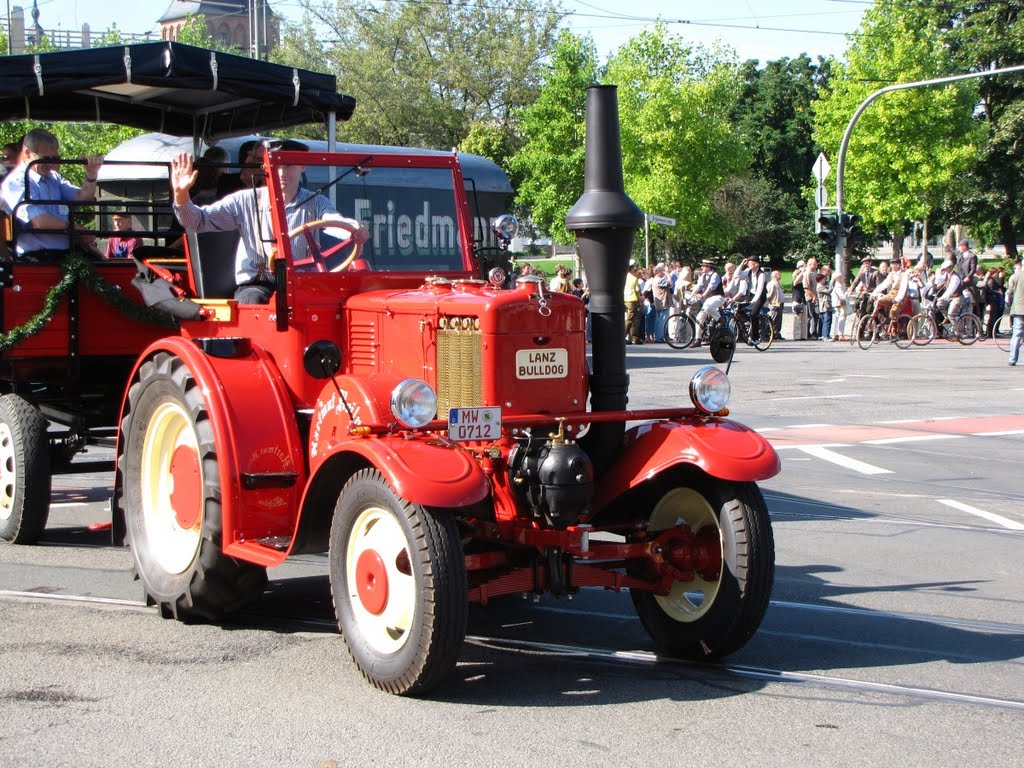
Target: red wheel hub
(372,582)
(701,553)
(187,496)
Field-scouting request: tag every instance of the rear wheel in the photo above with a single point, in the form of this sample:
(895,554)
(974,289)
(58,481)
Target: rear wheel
(170,498)
(398,577)
(1002,331)
(679,331)
(24,471)
(967,329)
(766,336)
(719,610)
(922,329)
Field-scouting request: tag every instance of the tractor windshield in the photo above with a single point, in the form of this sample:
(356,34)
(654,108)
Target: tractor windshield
(415,220)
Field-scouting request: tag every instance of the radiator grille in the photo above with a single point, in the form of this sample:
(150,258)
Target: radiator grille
(459,350)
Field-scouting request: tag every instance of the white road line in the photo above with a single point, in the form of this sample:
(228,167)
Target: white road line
(999,434)
(68,504)
(910,439)
(808,426)
(1006,522)
(821,452)
(806,397)
(900,421)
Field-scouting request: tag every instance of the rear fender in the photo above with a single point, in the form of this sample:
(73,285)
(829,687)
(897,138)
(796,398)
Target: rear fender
(720,447)
(423,469)
(260,455)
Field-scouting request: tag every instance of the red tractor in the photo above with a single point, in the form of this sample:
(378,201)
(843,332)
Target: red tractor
(423,419)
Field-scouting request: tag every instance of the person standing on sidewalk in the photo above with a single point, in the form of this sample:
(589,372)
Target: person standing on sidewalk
(1015,298)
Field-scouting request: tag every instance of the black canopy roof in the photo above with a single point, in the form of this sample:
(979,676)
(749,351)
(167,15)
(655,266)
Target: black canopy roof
(167,87)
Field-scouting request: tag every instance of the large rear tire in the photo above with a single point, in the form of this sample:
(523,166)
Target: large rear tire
(170,498)
(398,577)
(25,474)
(714,614)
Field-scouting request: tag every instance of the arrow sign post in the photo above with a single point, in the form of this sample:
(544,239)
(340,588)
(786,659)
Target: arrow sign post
(648,218)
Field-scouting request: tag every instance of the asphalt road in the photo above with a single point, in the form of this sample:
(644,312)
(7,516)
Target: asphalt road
(895,634)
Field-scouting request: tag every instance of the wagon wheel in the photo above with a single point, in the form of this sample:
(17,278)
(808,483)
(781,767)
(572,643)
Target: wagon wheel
(319,258)
(398,577)
(719,610)
(169,493)
(24,471)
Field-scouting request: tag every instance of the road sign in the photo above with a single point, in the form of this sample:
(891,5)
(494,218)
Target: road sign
(821,196)
(821,168)
(661,220)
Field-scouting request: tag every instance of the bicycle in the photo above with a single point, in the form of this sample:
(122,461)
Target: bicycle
(1002,331)
(680,330)
(965,328)
(877,326)
(739,321)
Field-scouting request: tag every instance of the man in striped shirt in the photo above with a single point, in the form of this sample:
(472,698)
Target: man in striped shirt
(248,211)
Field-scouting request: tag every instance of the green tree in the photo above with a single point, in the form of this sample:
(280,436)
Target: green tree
(196,32)
(986,35)
(678,143)
(424,73)
(549,166)
(909,146)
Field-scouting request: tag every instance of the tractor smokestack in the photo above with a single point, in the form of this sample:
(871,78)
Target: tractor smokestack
(605,221)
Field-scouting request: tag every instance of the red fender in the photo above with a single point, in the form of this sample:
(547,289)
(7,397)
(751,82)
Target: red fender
(425,469)
(260,454)
(722,448)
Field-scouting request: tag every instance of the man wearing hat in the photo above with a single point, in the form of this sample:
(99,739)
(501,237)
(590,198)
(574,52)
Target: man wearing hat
(248,211)
(709,292)
(863,284)
(949,290)
(757,279)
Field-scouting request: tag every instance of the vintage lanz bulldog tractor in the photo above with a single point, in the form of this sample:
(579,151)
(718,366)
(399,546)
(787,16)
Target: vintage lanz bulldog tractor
(408,412)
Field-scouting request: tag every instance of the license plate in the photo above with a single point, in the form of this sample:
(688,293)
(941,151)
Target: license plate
(465,424)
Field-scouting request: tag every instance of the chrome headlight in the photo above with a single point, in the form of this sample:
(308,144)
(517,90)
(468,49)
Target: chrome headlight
(505,227)
(710,389)
(413,403)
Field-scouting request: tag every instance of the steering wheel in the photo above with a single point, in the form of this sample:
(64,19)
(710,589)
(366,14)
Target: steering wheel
(319,258)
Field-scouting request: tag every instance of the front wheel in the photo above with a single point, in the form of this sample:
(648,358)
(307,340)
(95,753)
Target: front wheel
(867,332)
(24,471)
(679,331)
(398,577)
(766,336)
(967,329)
(717,611)
(169,494)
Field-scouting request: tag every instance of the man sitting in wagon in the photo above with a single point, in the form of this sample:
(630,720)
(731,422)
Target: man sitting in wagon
(50,189)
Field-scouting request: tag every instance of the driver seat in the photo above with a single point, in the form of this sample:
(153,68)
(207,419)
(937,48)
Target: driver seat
(211,260)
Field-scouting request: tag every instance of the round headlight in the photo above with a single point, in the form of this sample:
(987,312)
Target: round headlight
(710,389)
(505,227)
(413,403)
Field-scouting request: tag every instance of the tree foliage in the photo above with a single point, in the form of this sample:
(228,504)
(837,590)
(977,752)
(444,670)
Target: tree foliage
(424,73)
(678,142)
(909,146)
(549,165)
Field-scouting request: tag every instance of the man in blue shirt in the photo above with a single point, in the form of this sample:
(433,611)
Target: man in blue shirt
(41,228)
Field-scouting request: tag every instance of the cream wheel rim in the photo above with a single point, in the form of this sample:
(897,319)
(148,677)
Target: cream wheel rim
(8,473)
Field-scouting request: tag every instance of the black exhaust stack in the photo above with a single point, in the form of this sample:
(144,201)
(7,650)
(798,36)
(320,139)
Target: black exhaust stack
(605,221)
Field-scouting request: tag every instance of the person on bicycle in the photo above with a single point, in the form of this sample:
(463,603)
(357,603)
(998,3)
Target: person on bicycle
(949,292)
(757,279)
(893,300)
(863,284)
(711,293)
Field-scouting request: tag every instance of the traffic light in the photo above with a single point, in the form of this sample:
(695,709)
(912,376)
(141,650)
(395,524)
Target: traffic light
(852,231)
(828,228)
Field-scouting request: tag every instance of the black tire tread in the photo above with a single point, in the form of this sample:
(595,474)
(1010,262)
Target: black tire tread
(32,508)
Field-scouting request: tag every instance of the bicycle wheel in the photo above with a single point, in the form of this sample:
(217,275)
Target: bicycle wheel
(766,337)
(867,332)
(1001,332)
(902,338)
(679,331)
(967,329)
(922,329)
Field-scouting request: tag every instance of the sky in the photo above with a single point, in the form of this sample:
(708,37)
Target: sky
(760,29)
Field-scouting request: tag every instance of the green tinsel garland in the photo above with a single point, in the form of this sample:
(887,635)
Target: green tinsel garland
(77,267)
